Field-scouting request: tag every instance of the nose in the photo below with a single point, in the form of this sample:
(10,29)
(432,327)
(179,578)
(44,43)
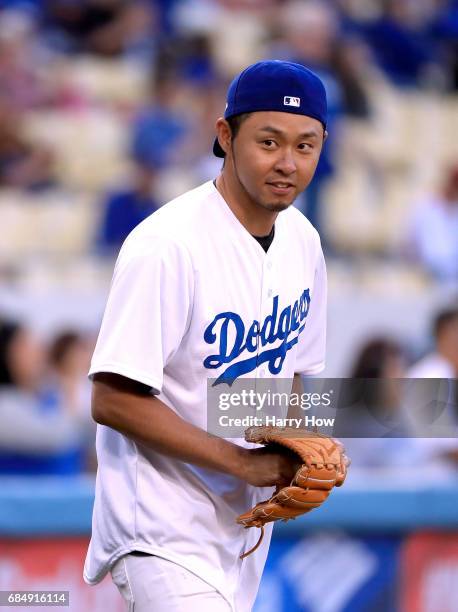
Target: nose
(285,163)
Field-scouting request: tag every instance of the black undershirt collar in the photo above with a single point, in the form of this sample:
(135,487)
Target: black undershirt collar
(266,241)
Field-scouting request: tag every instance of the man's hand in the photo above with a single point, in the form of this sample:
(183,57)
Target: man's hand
(265,467)
(304,474)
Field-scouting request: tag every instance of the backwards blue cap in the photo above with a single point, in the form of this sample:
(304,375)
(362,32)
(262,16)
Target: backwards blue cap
(275,85)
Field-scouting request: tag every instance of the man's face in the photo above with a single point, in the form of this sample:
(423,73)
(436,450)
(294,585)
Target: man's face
(275,155)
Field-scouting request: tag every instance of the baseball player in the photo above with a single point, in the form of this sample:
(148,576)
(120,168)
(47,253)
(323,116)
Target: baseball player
(227,280)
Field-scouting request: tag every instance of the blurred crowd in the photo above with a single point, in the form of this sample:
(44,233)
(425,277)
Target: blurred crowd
(389,423)
(117,100)
(107,111)
(44,403)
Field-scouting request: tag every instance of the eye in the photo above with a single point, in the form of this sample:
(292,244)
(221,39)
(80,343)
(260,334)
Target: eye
(269,143)
(305,146)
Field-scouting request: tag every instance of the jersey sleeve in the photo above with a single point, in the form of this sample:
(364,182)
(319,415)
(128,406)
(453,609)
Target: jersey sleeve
(311,351)
(147,312)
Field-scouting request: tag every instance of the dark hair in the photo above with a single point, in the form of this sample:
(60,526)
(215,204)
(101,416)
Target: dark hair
(370,364)
(444,318)
(61,345)
(236,121)
(373,356)
(234,124)
(8,331)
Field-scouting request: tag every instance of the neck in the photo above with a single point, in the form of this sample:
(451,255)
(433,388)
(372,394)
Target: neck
(254,218)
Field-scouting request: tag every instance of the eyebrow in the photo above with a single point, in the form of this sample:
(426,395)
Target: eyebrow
(277,132)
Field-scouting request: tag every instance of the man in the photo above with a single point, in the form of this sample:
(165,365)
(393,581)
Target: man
(225,281)
(443,361)
(434,228)
(124,209)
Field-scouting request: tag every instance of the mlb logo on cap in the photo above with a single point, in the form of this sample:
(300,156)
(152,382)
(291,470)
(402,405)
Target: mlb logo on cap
(291,101)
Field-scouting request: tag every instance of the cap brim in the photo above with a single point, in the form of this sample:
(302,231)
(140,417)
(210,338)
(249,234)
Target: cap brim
(217,150)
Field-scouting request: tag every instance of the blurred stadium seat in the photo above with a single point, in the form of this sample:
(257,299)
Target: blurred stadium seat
(90,146)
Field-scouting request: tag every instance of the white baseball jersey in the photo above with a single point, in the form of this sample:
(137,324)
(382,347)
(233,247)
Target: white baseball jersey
(430,450)
(194,296)
(433,365)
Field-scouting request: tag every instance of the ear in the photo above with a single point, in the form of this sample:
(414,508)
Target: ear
(223,132)
(325,135)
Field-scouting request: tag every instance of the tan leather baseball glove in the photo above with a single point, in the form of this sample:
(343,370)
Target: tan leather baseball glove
(323,466)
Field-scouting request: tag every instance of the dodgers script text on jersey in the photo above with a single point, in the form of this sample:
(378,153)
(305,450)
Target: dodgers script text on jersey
(275,327)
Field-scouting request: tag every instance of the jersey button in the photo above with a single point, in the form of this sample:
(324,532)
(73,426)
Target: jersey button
(269,293)
(269,265)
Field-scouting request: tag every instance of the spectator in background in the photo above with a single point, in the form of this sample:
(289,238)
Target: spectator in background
(107,28)
(194,58)
(172,128)
(434,230)
(69,356)
(351,62)
(375,411)
(158,136)
(371,402)
(22,164)
(442,362)
(402,43)
(380,358)
(37,435)
(160,128)
(370,419)
(22,61)
(69,359)
(126,208)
